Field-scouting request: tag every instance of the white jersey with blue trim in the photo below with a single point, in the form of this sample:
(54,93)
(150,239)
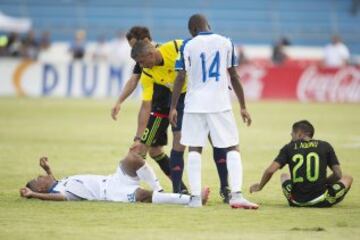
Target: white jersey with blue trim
(88,187)
(118,187)
(206,59)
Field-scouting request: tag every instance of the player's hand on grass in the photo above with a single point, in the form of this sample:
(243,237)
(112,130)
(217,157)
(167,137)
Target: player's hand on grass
(173,117)
(25,192)
(44,163)
(245,116)
(255,188)
(115,110)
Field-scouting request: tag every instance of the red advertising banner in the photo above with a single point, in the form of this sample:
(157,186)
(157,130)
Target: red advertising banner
(299,82)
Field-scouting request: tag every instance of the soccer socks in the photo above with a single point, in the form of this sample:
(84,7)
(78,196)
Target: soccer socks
(170,198)
(164,163)
(235,170)
(219,155)
(176,169)
(194,172)
(147,174)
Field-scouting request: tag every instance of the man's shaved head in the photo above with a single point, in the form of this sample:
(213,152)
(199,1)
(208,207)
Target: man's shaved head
(141,48)
(198,23)
(144,53)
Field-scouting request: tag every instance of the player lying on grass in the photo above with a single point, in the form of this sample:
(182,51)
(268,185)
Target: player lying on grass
(122,186)
(308,160)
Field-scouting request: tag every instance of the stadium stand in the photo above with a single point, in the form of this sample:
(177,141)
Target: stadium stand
(306,22)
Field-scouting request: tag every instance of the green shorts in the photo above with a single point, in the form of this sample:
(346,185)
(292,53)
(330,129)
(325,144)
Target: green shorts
(334,194)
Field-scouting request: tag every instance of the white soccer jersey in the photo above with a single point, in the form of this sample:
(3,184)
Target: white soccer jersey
(118,187)
(206,58)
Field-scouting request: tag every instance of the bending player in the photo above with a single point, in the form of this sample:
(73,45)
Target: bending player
(207,59)
(122,186)
(156,150)
(308,160)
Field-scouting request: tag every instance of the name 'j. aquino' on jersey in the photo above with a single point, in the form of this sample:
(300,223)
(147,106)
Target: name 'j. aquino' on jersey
(206,59)
(308,162)
(165,74)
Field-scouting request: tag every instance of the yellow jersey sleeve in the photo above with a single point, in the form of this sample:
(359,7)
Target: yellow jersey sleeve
(147,85)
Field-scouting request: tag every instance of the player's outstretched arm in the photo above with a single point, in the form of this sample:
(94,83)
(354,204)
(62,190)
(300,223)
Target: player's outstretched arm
(27,193)
(143,117)
(239,91)
(336,174)
(179,83)
(44,164)
(274,166)
(129,88)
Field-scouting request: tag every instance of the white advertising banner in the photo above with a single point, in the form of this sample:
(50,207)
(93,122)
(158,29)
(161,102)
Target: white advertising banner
(60,79)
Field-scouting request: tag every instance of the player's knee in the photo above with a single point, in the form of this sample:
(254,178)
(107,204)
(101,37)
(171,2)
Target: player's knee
(233,148)
(155,151)
(195,149)
(132,163)
(347,180)
(177,146)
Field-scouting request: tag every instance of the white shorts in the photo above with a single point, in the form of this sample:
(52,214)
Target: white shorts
(78,187)
(221,126)
(121,187)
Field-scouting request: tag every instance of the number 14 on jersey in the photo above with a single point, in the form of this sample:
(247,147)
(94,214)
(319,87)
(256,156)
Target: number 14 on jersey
(214,67)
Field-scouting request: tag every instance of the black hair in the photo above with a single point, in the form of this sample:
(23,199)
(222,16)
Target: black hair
(305,126)
(139,33)
(198,23)
(32,185)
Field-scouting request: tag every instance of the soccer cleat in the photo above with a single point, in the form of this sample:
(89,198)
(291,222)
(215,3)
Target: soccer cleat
(237,201)
(225,194)
(195,202)
(205,195)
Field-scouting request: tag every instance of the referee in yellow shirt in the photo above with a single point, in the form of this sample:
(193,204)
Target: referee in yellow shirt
(159,70)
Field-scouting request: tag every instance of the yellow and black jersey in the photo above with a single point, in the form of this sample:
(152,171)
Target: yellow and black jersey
(165,74)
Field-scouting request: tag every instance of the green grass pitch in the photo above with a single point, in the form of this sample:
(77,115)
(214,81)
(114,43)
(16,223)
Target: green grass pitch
(79,136)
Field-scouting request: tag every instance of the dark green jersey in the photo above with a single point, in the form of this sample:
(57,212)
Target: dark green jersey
(308,162)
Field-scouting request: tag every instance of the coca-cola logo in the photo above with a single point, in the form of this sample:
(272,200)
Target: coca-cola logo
(251,80)
(342,85)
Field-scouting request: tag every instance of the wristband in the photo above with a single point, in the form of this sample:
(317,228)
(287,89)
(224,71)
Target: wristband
(137,138)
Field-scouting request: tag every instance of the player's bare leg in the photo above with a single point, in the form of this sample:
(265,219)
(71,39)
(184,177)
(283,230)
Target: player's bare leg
(347,181)
(235,170)
(134,165)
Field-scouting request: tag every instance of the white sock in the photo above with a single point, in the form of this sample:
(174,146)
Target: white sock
(194,172)
(147,174)
(170,198)
(234,166)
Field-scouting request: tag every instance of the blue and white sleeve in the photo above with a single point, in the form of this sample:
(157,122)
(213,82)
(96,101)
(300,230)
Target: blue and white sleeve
(180,62)
(232,60)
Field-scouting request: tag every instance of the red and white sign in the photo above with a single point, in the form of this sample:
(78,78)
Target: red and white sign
(298,82)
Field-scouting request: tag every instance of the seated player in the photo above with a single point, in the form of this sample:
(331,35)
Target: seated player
(122,186)
(308,160)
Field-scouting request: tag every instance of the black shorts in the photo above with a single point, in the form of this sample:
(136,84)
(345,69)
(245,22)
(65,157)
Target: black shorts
(155,133)
(334,194)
